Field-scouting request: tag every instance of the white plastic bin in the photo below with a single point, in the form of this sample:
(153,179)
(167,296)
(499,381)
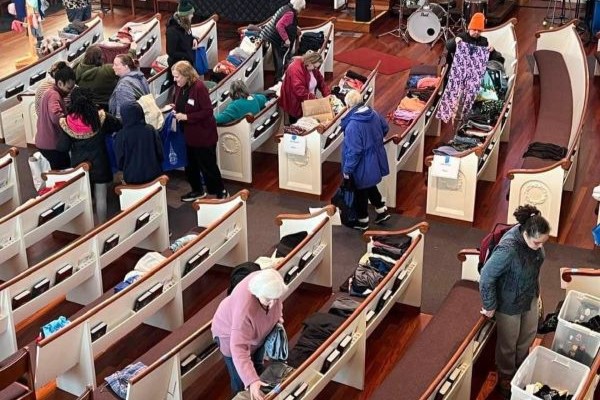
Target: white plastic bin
(576,342)
(579,307)
(547,367)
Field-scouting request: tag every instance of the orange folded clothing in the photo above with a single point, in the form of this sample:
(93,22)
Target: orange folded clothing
(411,104)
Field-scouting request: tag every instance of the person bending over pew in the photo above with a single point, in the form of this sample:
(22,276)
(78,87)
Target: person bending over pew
(243,103)
(83,134)
(509,287)
(241,324)
(52,108)
(364,162)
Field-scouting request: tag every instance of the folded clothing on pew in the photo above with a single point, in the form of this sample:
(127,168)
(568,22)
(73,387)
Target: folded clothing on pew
(118,381)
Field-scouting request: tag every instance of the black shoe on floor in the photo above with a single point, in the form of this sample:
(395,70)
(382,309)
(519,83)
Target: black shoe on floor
(192,196)
(361,226)
(223,195)
(382,217)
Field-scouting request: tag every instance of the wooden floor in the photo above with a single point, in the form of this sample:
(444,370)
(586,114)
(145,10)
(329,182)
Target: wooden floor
(577,218)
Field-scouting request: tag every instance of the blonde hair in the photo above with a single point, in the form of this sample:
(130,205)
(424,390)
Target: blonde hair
(185,69)
(312,58)
(352,98)
(298,5)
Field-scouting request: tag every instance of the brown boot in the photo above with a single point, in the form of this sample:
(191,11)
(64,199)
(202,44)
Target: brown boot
(503,386)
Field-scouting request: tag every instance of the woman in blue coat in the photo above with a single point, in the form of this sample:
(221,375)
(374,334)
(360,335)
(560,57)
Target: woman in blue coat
(364,162)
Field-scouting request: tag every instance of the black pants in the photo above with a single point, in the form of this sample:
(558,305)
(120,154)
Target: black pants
(203,160)
(280,58)
(57,159)
(362,198)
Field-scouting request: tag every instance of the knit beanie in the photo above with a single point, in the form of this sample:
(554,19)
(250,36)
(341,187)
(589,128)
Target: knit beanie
(477,22)
(185,8)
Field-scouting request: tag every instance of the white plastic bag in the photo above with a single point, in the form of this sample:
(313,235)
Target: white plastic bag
(38,165)
(148,262)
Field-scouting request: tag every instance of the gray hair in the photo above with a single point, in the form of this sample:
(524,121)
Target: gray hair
(267,284)
(352,98)
(238,90)
(298,5)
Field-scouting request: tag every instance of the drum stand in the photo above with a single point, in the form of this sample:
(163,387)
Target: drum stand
(400,31)
(446,32)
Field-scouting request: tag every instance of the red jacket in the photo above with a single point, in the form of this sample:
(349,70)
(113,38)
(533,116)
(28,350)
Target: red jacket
(200,129)
(294,89)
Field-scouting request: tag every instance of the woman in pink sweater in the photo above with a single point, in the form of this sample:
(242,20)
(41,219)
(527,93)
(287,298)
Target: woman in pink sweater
(242,322)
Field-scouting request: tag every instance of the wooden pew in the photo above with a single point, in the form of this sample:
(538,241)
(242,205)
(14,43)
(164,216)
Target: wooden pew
(238,139)
(12,370)
(87,258)
(402,284)
(21,228)
(73,365)
(10,193)
(455,198)
(206,31)
(440,361)
(303,173)
(164,374)
(405,151)
(147,37)
(564,89)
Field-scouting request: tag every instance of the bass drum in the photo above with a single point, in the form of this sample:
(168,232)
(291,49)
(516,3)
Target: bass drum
(425,24)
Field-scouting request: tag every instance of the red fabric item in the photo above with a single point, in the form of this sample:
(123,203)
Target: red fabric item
(57,185)
(366,58)
(200,129)
(294,89)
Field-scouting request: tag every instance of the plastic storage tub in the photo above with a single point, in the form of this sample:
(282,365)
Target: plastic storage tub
(579,307)
(550,368)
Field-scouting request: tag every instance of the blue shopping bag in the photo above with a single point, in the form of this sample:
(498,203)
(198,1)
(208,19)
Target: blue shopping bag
(173,144)
(110,149)
(201,61)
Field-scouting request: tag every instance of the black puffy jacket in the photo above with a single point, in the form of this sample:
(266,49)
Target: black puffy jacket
(179,43)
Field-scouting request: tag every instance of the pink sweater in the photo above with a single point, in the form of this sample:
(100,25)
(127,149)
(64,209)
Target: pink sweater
(241,324)
(52,108)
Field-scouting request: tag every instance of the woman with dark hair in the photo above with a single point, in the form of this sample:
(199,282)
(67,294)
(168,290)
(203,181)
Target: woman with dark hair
(47,84)
(193,109)
(52,108)
(242,103)
(510,289)
(91,73)
(180,41)
(301,81)
(131,85)
(83,131)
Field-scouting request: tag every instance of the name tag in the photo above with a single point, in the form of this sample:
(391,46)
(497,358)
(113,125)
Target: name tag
(191,102)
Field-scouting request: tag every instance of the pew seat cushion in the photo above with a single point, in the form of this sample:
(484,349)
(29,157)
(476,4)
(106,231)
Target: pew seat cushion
(555,107)
(435,346)
(14,391)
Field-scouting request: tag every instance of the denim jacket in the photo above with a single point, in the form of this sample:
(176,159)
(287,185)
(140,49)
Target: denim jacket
(509,279)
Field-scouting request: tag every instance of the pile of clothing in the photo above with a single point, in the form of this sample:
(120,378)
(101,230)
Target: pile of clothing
(74,28)
(545,392)
(302,126)
(236,57)
(419,89)
(375,265)
(350,80)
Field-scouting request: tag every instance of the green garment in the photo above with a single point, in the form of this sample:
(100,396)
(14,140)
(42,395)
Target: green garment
(240,107)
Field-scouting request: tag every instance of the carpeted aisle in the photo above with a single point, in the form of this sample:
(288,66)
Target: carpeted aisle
(367,58)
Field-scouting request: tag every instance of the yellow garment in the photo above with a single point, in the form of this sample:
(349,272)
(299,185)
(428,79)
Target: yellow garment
(411,104)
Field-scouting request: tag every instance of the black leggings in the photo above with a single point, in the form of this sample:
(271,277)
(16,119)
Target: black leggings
(362,198)
(203,160)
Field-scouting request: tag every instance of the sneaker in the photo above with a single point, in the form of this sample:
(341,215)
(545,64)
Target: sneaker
(361,226)
(382,217)
(191,196)
(223,195)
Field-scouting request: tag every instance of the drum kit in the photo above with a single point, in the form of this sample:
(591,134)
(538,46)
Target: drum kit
(430,22)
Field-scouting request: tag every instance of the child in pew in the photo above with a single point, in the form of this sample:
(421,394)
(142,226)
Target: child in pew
(242,322)
(242,103)
(509,286)
(138,147)
(83,132)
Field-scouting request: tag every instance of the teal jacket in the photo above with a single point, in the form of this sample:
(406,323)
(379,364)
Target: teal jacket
(240,107)
(510,278)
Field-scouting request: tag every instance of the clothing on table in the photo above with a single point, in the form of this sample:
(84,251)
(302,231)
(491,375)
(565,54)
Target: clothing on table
(129,89)
(242,324)
(317,329)
(464,82)
(411,104)
(546,151)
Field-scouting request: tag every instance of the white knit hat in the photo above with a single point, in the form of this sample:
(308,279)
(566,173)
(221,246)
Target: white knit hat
(596,193)
(267,284)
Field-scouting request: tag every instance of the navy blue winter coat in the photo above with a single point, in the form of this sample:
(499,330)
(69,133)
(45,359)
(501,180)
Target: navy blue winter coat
(138,147)
(363,154)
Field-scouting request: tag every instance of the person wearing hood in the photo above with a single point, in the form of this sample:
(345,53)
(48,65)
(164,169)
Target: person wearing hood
(181,44)
(138,147)
(83,134)
(131,85)
(91,73)
(364,161)
(301,81)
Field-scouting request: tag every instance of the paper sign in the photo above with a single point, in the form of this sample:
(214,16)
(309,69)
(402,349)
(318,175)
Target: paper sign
(294,144)
(335,219)
(445,166)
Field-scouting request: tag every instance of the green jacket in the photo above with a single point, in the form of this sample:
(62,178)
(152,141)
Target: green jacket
(101,80)
(240,107)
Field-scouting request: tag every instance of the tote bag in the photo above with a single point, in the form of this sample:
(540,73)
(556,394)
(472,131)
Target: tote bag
(173,144)
(201,60)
